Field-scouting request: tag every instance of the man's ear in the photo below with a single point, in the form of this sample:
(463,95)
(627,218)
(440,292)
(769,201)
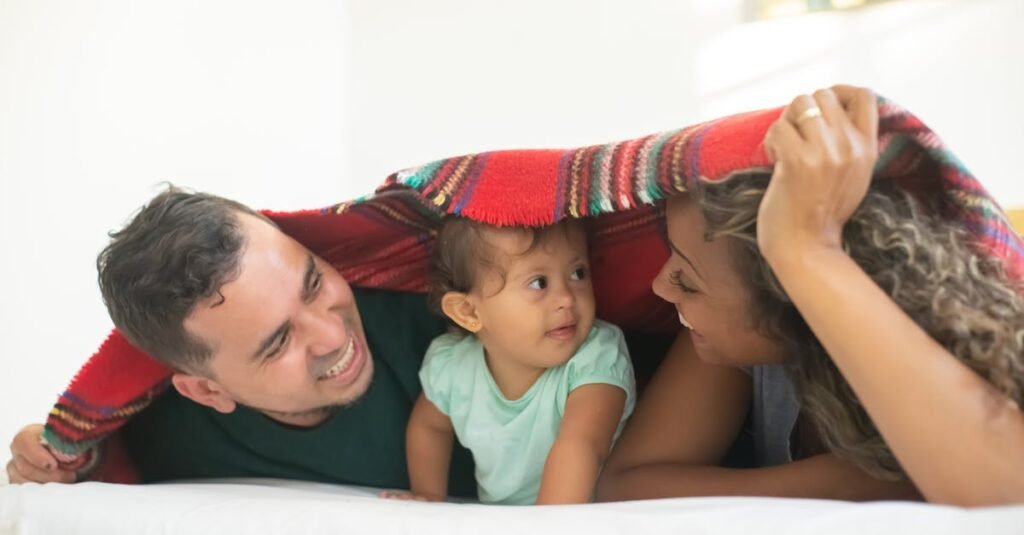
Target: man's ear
(458,307)
(203,391)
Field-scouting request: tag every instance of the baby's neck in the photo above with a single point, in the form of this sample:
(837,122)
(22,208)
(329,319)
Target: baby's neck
(514,379)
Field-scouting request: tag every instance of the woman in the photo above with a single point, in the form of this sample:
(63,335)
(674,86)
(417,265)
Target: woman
(901,348)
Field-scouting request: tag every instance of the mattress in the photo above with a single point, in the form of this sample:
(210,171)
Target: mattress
(273,506)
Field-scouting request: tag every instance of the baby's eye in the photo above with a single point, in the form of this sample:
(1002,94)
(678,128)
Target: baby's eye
(538,283)
(579,274)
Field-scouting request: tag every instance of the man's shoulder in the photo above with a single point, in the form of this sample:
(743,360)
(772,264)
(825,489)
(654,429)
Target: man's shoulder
(399,326)
(390,311)
(372,301)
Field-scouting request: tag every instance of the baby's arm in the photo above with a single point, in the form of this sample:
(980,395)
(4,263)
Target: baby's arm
(428,446)
(592,413)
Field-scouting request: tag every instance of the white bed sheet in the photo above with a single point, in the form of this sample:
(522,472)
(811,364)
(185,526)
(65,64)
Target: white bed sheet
(271,506)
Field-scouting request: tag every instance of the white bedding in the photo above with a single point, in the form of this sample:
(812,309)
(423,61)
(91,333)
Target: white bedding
(268,506)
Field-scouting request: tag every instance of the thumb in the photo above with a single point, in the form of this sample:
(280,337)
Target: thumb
(32,447)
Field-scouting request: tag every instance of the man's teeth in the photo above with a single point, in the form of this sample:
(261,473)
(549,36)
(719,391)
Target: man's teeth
(684,322)
(343,362)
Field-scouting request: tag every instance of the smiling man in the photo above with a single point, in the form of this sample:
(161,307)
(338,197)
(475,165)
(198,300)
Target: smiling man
(282,369)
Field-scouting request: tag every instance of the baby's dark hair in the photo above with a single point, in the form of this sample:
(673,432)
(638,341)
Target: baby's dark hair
(461,252)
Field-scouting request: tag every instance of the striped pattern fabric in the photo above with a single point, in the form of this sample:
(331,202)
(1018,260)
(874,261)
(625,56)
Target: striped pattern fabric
(616,177)
(383,240)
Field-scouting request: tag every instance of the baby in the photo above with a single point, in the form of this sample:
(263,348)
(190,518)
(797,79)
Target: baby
(532,384)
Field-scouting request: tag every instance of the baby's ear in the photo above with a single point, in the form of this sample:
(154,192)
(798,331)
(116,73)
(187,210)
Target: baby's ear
(458,307)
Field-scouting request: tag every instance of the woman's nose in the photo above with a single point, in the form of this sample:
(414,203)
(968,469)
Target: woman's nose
(658,285)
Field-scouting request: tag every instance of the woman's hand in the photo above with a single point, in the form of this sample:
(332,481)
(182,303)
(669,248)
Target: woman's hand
(824,147)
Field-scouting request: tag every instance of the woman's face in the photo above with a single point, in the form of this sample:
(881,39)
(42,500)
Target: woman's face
(701,280)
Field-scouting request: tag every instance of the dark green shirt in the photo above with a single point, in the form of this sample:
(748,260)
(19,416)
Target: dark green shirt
(362,444)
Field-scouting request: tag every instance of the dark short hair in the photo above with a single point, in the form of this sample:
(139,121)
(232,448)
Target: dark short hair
(460,252)
(176,251)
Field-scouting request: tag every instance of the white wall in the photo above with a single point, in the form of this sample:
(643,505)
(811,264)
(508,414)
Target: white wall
(955,63)
(301,104)
(101,101)
(452,76)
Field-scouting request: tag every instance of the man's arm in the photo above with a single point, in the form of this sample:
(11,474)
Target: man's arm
(592,413)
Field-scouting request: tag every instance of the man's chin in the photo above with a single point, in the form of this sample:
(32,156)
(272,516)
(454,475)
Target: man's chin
(317,415)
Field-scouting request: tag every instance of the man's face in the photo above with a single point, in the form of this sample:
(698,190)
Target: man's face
(286,336)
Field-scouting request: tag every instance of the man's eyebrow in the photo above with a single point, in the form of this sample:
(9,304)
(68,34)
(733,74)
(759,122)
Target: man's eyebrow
(269,340)
(307,278)
(686,258)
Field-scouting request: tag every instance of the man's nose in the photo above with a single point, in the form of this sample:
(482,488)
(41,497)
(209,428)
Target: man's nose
(325,331)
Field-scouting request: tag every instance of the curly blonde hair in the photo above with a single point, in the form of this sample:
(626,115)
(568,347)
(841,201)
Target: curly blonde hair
(927,265)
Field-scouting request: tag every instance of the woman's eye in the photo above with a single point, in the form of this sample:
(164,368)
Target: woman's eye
(676,280)
(579,274)
(538,283)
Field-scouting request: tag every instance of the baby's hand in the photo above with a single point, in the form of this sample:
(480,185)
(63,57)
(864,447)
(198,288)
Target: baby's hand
(406,495)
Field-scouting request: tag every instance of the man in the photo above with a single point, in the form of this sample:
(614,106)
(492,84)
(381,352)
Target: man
(281,369)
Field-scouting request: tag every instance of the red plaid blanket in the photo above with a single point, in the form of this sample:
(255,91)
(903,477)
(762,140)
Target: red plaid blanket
(383,240)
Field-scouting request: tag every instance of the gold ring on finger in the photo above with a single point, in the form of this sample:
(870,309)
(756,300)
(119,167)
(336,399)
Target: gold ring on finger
(808,114)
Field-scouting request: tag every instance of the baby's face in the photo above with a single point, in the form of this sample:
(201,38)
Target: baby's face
(540,313)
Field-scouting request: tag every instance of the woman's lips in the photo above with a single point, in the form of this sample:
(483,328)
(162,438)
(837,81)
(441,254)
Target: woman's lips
(697,338)
(694,334)
(683,321)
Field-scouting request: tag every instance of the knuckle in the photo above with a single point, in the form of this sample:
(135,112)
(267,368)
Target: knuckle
(854,150)
(846,147)
(810,160)
(847,155)
(834,160)
(20,463)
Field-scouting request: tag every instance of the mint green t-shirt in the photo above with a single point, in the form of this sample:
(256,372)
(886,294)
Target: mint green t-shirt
(510,439)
